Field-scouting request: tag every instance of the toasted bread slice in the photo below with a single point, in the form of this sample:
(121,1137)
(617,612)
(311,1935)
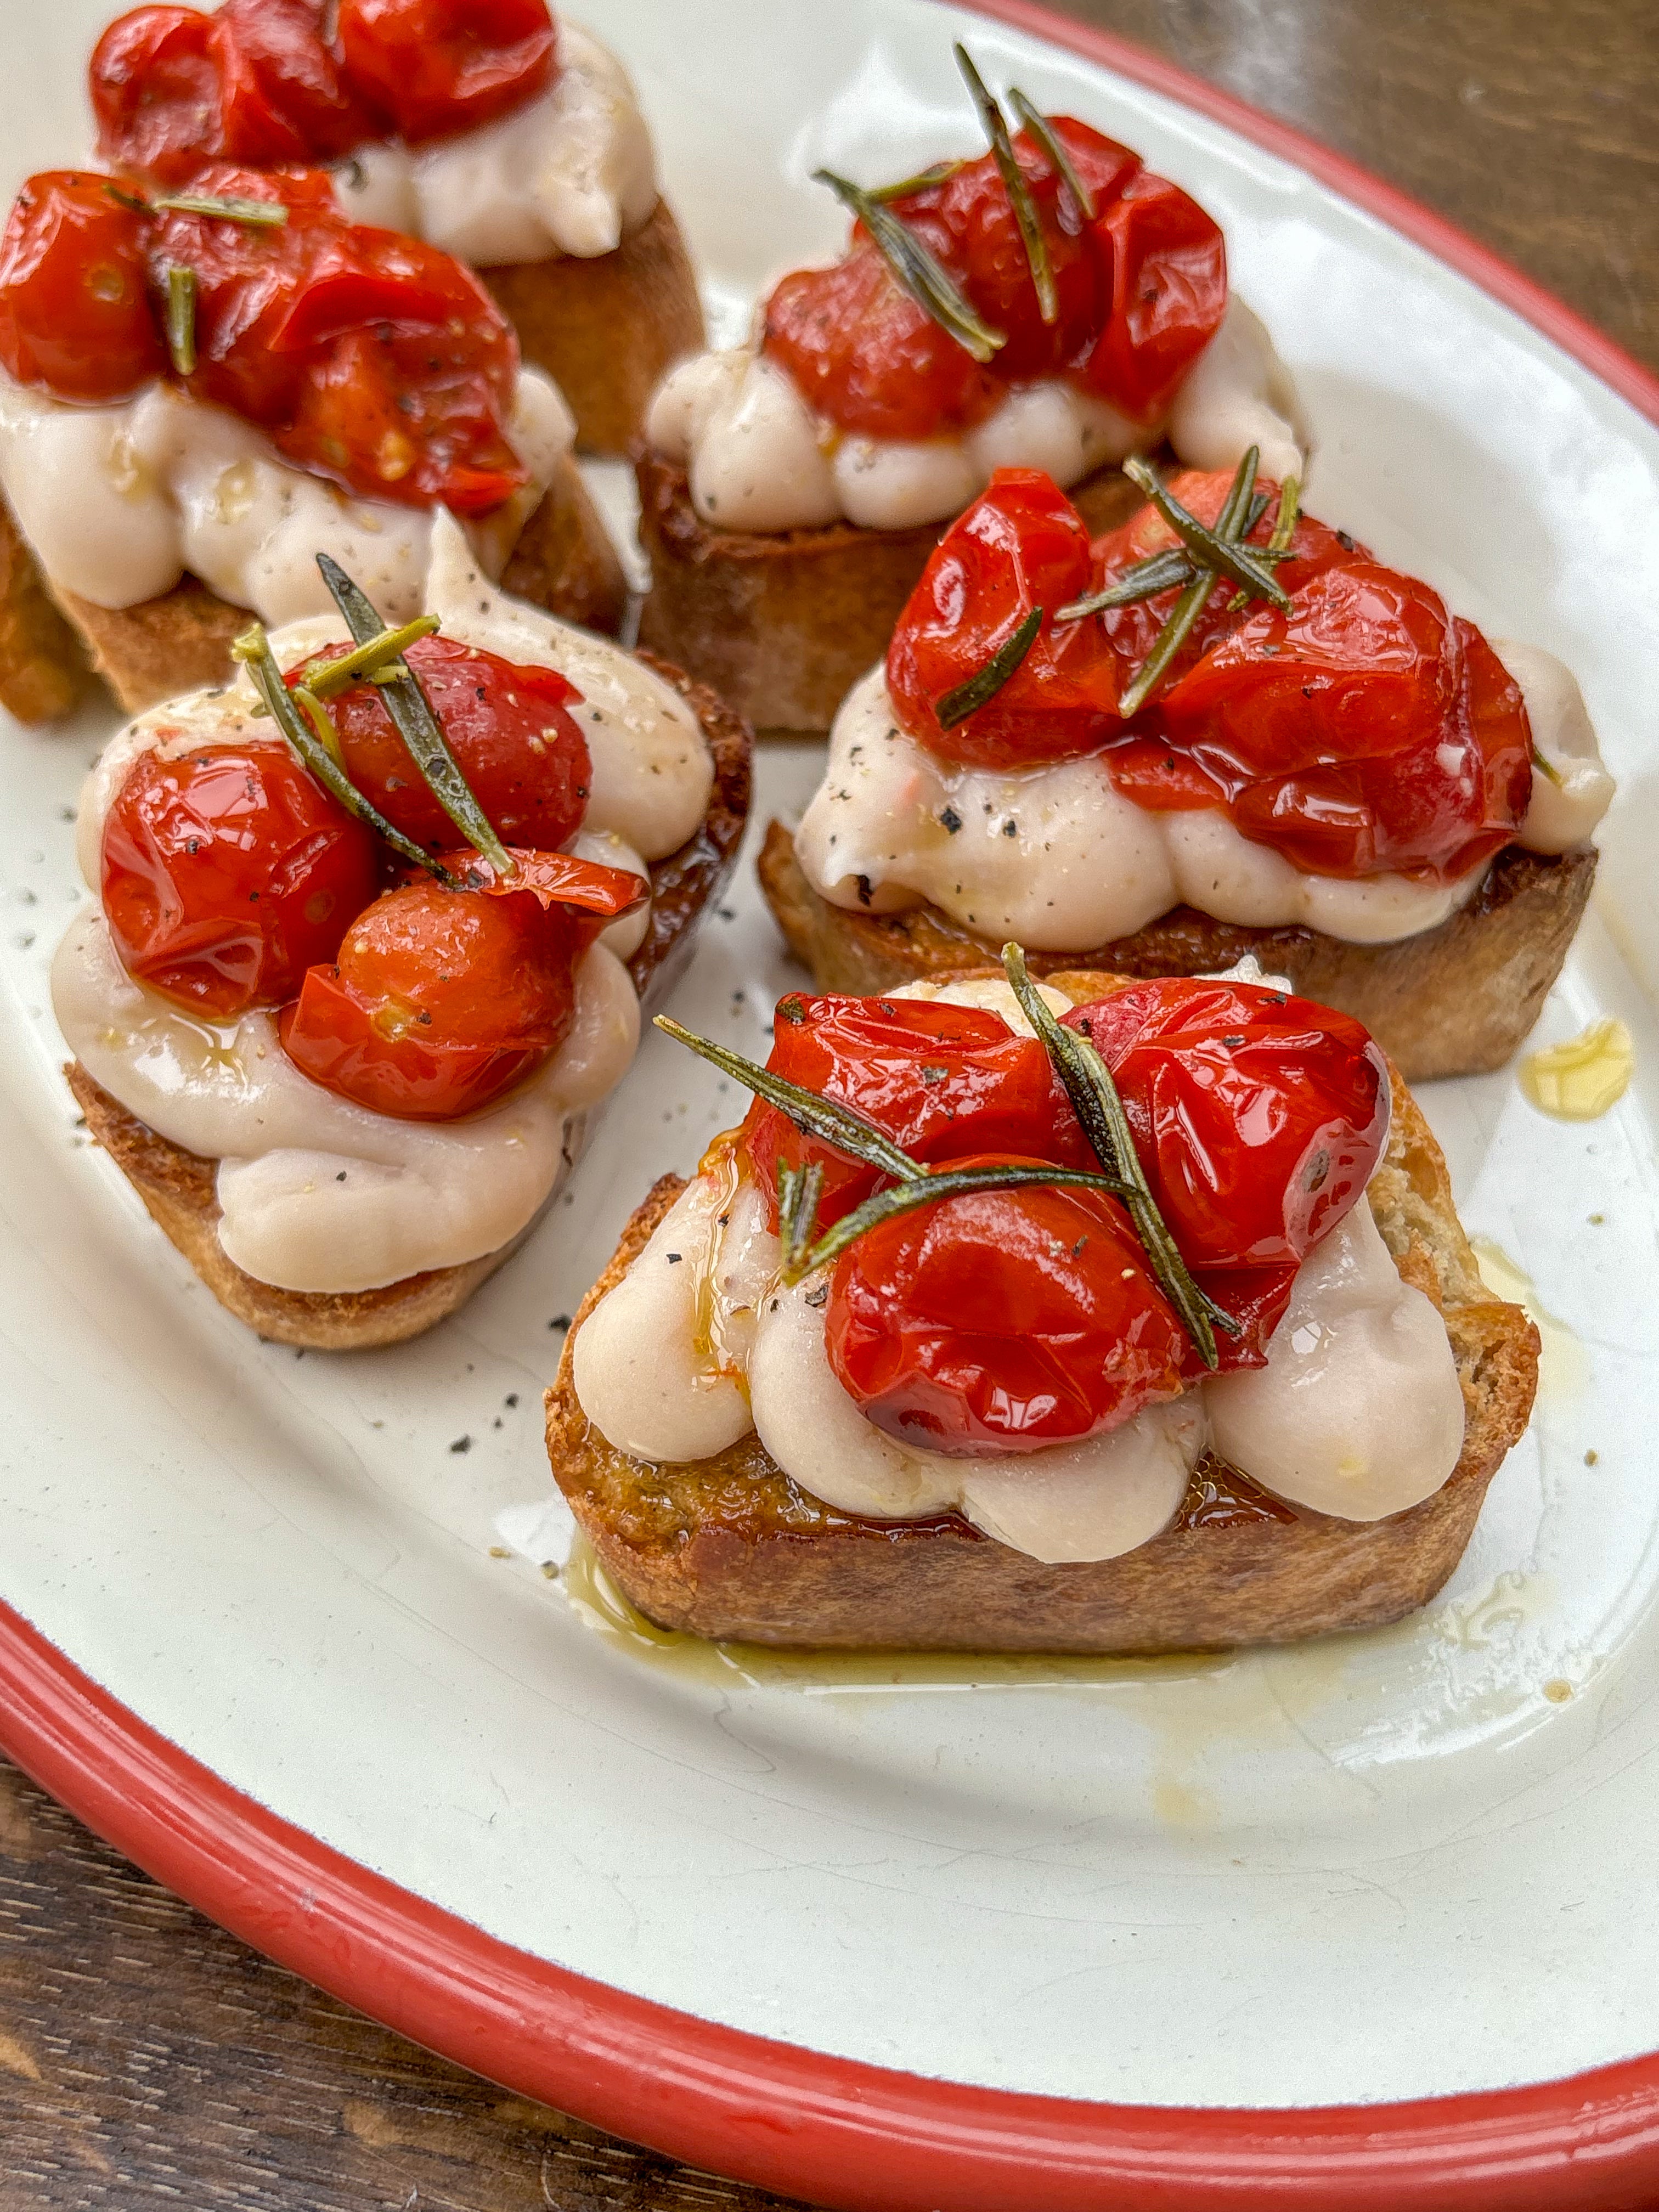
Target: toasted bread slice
(180,640)
(731,1547)
(1454,1001)
(607,329)
(178,1186)
(783,624)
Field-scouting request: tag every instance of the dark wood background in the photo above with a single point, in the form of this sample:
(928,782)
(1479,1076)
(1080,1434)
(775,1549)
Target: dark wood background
(145,2057)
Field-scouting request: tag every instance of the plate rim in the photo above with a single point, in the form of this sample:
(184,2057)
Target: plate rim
(846,2134)
(771,2113)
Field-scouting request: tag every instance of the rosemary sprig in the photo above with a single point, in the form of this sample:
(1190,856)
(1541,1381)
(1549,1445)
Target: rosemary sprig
(940,174)
(826,1119)
(1546,769)
(326,678)
(1094,1095)
(1233,521)
(416,724)
(1219,550)
(969,697)
(254,650)
(1159,572)
(266,214)
(1278,547)
(850,1133)
(1053,151)
(1013,181)
(915,268)
(320,720)
(1177,628)
(799,1190)
(941,1184)
(181,319)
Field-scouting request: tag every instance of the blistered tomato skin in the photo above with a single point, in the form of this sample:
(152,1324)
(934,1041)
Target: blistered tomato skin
(1021,545)
(227,873)
(1140,292)
(441,66)
(508,725)
(75,308)
(1259,1118)
(369,357)
(442,1000)
(1365,732)
(938,1079)
(255,83)
(1004,1322)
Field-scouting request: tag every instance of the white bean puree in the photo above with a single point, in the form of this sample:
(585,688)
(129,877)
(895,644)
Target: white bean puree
(1058,858)
(758,458)
(118,503)
(571,172)
(321,1195)
(1358,1412)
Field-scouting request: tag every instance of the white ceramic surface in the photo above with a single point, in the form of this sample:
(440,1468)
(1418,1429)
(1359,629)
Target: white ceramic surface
(1370,1868)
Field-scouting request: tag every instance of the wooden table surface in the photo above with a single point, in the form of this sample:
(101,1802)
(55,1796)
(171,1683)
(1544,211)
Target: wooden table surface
(144,2055)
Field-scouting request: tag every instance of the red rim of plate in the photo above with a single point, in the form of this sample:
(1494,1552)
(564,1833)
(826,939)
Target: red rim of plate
(840,2132)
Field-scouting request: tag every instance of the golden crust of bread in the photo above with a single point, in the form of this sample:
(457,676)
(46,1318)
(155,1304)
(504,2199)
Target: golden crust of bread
(180,640)
(1454,1001)
(178,1186)
(782,623)
(730,1547)
(43,665)
(607,329)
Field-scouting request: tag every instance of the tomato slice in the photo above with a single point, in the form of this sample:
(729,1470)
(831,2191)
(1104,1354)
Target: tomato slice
(442,1001)
(437,67)
(75,309)
(1002,1321)
(228,872)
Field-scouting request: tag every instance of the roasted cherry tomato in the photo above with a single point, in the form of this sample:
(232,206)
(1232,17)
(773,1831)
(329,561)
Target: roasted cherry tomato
(441,66)
(1021,546)
(256,83)
(1140,291)
(75,309)
(227,873)
(442,1000)
(508,725)
(1002,1321)
(938,1079)
(370,357)
(1259,1118)
(1367,731)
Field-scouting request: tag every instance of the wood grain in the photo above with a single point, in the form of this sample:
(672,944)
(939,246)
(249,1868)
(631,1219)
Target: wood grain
(145,2057)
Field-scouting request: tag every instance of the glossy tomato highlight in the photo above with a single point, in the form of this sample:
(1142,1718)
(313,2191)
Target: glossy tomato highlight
(226,874)
(439,66)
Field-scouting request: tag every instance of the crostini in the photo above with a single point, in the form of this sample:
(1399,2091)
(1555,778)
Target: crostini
(199,390)
(1154,1330)
(1221,730)
(372,930)
(1052,305)
(503,136)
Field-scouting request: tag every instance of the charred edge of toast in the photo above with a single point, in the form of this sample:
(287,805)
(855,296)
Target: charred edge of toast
(731,1547)
(180,640)
(607,327)
(1456,1000)
(178,1186)
(783,623)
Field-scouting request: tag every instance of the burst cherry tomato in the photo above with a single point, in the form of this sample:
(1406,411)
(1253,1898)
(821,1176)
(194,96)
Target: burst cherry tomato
(441,66)
(938,1079)
(509,727)
(226,874)
(1002,1321)
(1021,545)
(370,357)
(256,84)
(75,309)
(1366,731)
(1258,1117)
(442,1000)
(1139,293)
